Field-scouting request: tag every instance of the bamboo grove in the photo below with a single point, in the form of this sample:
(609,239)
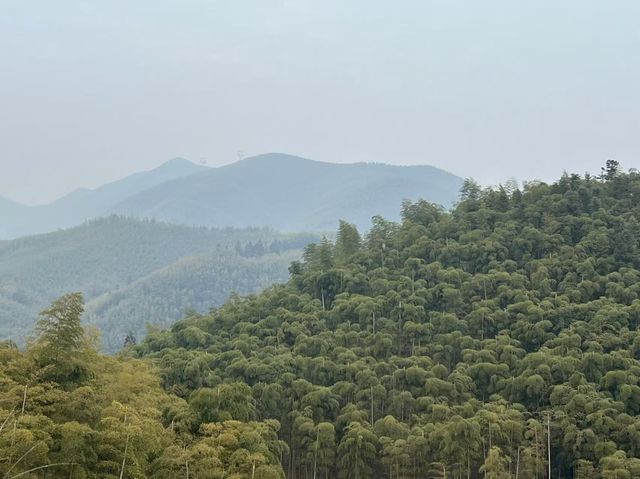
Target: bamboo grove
(498,340)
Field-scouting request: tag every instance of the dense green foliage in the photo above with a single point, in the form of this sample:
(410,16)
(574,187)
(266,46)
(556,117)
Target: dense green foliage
(444,346)
(68,413)
(135,272)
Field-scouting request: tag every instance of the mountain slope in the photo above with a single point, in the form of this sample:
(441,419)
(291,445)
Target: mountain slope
(84,204)
(125,261)
(470,344)
(291,194)
(193,283)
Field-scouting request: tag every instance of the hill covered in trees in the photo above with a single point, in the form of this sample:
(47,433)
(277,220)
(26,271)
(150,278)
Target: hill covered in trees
(496,341)
(67,412)
(458,344)
(290,193)
(137,272)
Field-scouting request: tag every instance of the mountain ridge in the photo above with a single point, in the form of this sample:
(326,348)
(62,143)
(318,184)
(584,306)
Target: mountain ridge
(258,191)
(83,203)
(275,190)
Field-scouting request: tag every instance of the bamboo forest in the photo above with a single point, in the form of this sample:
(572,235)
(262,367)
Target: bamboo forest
(496,340)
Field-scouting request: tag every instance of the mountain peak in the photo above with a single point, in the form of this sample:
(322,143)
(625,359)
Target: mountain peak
(179,162)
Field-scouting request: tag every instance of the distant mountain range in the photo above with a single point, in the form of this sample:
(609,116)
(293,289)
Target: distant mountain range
(134,273)
(83,204)
(280,191)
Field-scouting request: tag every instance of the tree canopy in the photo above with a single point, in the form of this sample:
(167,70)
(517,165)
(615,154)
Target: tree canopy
(497,340)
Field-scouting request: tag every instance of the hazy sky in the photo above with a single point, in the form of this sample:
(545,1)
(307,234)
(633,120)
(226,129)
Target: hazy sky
(93,90)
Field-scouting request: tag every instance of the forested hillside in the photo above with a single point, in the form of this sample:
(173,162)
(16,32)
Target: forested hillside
(67,412)
(137,272)
(190,284)
(456,345)
(497,341)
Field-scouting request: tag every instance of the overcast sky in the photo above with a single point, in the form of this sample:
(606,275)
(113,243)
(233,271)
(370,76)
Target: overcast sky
(94,90)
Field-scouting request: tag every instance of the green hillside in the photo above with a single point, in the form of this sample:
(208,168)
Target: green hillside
(498,341)
(192,283)
(448,345)
(123,266)
(67,412)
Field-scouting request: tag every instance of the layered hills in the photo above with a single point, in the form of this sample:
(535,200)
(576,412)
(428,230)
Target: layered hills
(133,273)
(289,193)
(85,204)
(279,191)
